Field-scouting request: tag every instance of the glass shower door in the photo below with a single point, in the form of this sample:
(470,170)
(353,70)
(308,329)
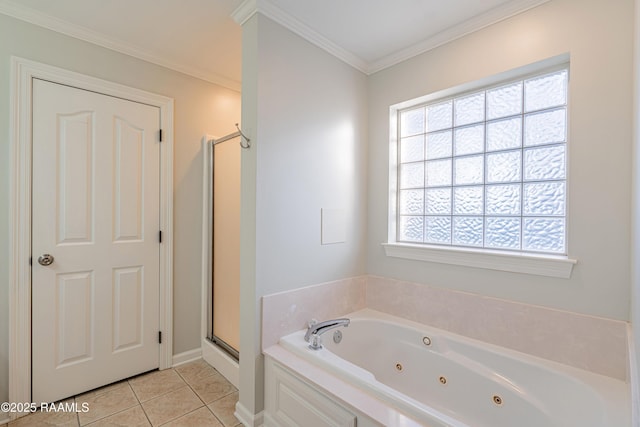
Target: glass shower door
(224,295)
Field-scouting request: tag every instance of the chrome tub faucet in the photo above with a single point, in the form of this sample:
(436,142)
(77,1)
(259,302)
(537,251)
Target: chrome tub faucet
(315,330)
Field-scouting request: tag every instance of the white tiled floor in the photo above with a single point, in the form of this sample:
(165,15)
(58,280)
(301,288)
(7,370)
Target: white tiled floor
(190,395)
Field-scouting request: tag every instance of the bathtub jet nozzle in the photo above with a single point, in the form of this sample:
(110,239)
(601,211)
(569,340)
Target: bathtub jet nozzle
(315,330)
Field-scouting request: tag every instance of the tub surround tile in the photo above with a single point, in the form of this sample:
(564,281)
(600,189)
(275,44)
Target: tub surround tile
(290,311)
(591,343)
(595,344)
(587,342)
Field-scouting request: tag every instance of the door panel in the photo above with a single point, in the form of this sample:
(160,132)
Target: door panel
(75,184)
(128,182)
(74,318)
(96,168)
(128,307)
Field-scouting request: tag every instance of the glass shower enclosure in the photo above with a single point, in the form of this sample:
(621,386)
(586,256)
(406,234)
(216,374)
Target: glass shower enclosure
(223,299)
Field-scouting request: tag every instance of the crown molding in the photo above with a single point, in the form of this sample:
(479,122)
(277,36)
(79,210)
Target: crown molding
(469,26)
(245,11)
(34,17)
(248,8)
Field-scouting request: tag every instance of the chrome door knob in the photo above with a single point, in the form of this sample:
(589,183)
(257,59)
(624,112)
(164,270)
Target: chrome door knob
(45,259)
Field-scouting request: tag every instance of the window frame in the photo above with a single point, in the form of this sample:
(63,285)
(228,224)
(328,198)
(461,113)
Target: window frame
(518,261)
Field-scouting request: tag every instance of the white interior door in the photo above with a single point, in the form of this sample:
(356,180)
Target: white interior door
(96,185)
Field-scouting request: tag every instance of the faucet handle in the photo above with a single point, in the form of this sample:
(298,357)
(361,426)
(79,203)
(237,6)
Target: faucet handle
(316,342)
(311,323)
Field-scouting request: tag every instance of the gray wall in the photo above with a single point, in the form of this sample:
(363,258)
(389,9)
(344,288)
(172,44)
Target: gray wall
(307,112)
(598,35)
(200,108)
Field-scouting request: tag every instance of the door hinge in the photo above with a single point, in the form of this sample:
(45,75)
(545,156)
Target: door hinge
(30,260)
(160,236)
(160,134)
(159,337)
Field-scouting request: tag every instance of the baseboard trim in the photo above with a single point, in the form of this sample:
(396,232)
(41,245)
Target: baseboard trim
(247,418)
(634,377)
(223,363)
(186,357)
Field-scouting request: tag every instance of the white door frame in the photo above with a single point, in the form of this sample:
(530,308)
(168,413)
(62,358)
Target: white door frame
(23,71)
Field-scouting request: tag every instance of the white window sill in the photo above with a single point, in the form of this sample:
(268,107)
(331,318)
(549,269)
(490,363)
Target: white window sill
(541,265)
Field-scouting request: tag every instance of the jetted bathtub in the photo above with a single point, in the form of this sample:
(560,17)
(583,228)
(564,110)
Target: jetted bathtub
(442,379)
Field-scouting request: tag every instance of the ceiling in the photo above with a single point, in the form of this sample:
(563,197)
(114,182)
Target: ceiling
(201,37)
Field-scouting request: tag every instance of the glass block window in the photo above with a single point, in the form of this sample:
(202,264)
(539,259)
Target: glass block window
(487,169)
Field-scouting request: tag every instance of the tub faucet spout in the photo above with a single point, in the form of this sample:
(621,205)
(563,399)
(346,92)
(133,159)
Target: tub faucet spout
(315,330)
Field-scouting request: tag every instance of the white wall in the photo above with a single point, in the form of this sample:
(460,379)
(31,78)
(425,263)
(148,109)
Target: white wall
(306,112)
(200,108)
(598,35)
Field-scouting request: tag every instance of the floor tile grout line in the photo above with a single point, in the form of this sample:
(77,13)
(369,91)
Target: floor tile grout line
(163,394)
(140,403)
(215,415)
(146,415)
(95,392)
(169,392)
(177,418)
(215,372)
(107,416)
(212,402)
(173,419)
(222,397)
(196,393)
(184,415)
(134,393)
(198,396)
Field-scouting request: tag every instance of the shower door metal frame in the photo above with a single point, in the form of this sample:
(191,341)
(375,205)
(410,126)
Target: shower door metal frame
(210,336)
